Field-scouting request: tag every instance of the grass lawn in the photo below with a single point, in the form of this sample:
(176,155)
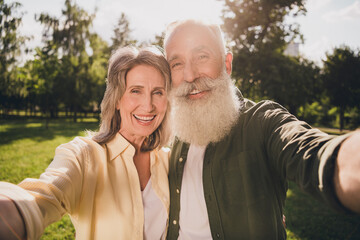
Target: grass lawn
(27,148)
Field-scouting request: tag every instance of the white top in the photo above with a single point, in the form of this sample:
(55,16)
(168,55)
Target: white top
(155,214)
(194,221)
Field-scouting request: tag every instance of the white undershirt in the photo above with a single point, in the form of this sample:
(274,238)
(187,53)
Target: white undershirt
(155,215)
(194,221)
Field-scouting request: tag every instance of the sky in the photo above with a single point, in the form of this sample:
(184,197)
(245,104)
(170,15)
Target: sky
(327,24)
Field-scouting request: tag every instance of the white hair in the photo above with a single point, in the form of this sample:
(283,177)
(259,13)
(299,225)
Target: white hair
(214,29)
(206,120)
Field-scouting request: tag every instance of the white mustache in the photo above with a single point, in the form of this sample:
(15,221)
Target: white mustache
(199,85)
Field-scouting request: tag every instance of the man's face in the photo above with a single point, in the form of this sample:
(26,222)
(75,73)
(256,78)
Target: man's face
(193,52)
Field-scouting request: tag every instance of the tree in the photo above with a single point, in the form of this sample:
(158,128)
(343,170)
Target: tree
(10,44)
(259,36)
(341,74)
(293,82)
(98,69)
(122,33)
(45,74)
(254,24)
(69,37)
(159,39)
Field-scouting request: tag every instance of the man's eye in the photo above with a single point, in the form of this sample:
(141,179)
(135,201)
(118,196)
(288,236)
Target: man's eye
(175,65)
(160,93)
(203,56)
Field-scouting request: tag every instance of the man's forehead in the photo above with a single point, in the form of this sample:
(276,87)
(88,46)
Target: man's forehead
(189,37)
(175,54)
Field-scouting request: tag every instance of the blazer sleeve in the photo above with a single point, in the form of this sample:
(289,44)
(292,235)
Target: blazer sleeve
(45,200)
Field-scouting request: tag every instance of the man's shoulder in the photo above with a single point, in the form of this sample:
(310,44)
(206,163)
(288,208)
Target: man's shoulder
(250,106)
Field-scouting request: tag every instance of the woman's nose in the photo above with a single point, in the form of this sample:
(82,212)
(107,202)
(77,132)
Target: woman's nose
(148,104)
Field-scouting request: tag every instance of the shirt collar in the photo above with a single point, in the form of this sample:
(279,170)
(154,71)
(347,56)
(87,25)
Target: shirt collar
(119,145)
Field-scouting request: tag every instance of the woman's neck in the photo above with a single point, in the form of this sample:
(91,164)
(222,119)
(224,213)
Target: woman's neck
(136,141)
(142,164)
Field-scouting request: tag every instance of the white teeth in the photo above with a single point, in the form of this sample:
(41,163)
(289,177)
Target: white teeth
(144,118)
(195,91)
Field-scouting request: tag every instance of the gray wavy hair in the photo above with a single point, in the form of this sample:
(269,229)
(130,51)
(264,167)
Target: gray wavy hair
(120,64)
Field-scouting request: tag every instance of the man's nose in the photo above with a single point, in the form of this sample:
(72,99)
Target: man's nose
(190,72)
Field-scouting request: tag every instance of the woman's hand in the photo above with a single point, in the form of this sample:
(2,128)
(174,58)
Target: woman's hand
(12,225)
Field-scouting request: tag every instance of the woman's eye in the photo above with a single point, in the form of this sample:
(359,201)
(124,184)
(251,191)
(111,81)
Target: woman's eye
(135,91)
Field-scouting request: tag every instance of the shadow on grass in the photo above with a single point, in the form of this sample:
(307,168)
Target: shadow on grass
(307,218)
(12,130)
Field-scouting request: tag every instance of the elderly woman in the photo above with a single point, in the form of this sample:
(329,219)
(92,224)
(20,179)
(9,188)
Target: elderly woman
(114,184)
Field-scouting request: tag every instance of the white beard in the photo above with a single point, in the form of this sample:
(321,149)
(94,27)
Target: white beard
(208,119)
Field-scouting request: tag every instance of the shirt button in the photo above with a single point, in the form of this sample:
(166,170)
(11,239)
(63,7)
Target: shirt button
(174,222)
(181,159)
(177,190)
(218,235)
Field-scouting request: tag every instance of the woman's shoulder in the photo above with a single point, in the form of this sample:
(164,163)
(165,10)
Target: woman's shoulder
(80,145)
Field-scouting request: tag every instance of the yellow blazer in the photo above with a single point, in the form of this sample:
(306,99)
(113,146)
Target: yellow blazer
(97,185)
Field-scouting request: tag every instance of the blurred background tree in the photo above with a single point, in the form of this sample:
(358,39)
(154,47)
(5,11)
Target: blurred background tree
(67,73)
(341,74)
(11,42)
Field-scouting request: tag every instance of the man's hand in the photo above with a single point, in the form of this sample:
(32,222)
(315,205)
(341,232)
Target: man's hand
(347,173)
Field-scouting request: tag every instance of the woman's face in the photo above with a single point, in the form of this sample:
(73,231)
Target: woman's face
(144,103)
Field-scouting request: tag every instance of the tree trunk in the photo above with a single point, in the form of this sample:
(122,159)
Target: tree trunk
(75,114)
(341,115)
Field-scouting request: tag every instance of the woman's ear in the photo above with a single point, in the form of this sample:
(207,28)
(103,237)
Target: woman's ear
(118,105)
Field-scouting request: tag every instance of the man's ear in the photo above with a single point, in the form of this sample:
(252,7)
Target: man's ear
(228,62)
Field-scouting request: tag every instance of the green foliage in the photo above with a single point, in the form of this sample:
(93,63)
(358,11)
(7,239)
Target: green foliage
(318,112)
(258,25)
(259,37)
(342,79)
(307,218)
(159,39)
(353,118)
(68,73)
(122,33)
(10,47)
(67,39)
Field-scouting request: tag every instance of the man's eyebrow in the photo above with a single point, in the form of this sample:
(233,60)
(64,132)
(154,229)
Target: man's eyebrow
(173,58)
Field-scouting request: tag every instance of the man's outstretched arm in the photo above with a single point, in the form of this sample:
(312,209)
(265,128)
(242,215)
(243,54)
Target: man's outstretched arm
(347,173)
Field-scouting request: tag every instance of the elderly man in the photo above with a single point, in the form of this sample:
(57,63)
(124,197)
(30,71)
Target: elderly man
(232,158)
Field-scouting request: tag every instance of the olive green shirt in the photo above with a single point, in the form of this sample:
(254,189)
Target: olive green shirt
(245,175)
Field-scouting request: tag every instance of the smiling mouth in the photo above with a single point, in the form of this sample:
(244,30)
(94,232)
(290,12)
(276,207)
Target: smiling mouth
(144,118)
(196,94)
